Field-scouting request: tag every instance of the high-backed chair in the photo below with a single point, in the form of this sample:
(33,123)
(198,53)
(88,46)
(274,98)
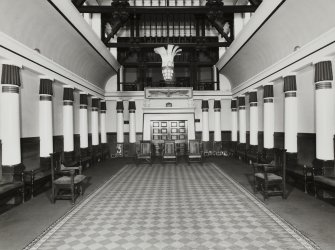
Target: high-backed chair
(145,152)
(67,182)
(194,152)
(270,178)
(169,152)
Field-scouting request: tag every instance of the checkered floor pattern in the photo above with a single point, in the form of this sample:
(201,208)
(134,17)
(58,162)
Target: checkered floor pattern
(171,206)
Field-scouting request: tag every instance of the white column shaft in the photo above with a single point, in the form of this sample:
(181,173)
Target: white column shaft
(269,124)
(291,124)
(83,128)
(242,125)
(253,125)
(215,75)
(324,124)
(10,128)
(205,129)
(217,126)
(95,127)
(234,126)
(103,128)
(119,134)
(132,128)
(68,128)
(45,127)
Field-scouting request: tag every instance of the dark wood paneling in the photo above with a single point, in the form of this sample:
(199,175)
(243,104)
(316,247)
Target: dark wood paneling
(306,148)
(247,135)
(279,138)
(260,141)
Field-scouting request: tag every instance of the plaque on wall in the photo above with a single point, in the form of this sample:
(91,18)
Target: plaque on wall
(164,124)
(164,130)
(173,124)
(174,130)
(174,137)
(181,137)
(181,130)
(181,124)
(174,93)
(164,137)
(156,124)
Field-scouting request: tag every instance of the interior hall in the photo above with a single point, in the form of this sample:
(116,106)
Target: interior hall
(167,124)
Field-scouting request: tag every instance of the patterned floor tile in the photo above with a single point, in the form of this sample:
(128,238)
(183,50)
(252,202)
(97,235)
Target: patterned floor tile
(181,206)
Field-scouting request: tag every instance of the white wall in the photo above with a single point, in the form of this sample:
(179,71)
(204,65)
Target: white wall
(306,100)
(260,108)
(278,92)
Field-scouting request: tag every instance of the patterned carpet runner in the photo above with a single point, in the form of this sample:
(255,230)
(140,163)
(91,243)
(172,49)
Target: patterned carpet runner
(180,206)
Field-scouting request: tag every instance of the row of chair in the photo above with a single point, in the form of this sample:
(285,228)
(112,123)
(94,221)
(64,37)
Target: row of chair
(169,151)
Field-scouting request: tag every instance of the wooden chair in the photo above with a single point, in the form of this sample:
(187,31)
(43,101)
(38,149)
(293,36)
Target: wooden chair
(270,178)
(145,152)
(323,178)
(194,153)
(66,181)
(169,152)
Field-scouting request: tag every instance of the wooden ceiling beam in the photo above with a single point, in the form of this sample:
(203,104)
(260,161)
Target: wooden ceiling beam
(158,44)
(255,2)
(172,10)
(78,3)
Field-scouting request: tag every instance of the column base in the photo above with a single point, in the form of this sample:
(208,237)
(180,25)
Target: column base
(84,152)
(217,148)
(12,173)
(132,150)
(323,167)
(252,154)
(68,157)
(206,147)
(45,163)
(267,155)
(291,160)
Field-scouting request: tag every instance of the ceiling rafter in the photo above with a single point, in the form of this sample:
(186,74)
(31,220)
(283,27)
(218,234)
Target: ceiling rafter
(178,9)
(78,3)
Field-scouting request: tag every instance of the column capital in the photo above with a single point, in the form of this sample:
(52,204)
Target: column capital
(132,106)
(119,106)
(233,104)
(46,87)
(323,72)
(268,91)
(103,107)
(253,97)
(204,105)
(241,102)
(10,75)
(95,103)
(290,84)
(68,93)
(217,105)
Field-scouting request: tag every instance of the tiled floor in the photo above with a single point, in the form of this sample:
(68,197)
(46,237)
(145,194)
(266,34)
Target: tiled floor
(171,207)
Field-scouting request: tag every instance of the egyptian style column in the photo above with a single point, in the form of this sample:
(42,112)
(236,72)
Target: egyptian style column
(95,121)
(234,120)
(253,121)
(68,124)
(103,133)
(269,124)
(291,114)
(45,121)
(242,119)
(324,111)
(83,125)
(205,128)
(217,126)
(132,122)
(120,121)
(10,122)
(217,120)
(132,128)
